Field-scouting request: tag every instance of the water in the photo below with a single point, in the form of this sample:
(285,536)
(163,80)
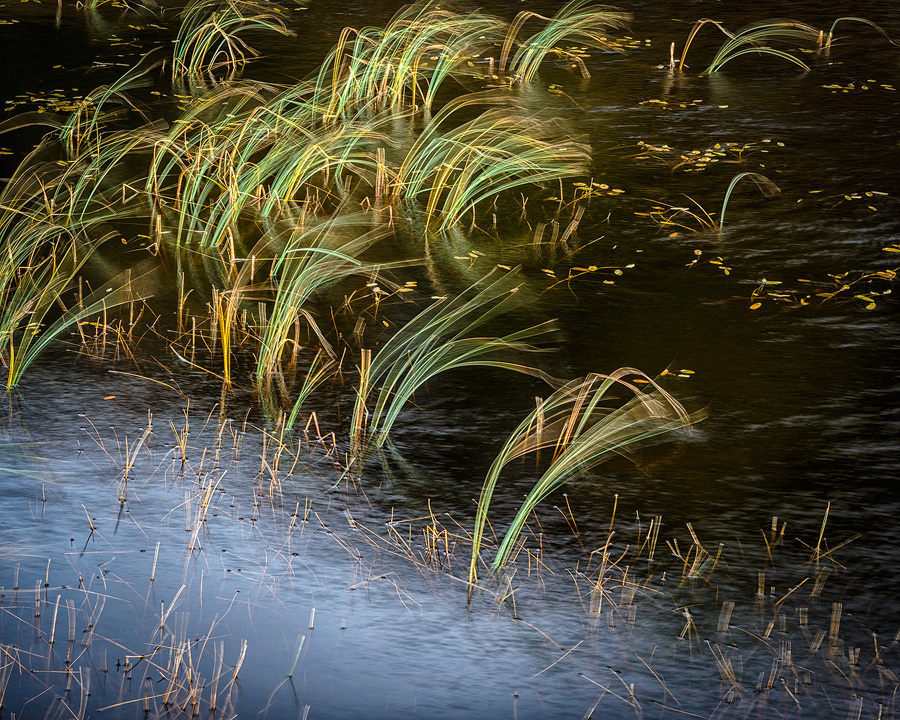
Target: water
(245,546)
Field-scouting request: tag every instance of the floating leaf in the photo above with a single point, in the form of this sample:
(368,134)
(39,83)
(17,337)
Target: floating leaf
(756,306)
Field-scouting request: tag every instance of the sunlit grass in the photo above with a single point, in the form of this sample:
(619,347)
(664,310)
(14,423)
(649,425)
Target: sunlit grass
(310,261)
(756,39)
(210,37)
(577,22)
(438,339)
(500,150)
(30,291)
(696,218)
(581,433)
(829,38)
(404,64)
(267,204)
(750,39)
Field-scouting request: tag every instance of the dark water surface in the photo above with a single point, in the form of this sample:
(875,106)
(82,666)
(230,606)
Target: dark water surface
(803,424)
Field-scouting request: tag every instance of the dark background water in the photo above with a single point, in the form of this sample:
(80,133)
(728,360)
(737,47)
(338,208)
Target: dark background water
(802,403)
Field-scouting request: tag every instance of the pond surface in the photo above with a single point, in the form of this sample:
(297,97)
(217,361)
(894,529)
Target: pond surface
(166,549)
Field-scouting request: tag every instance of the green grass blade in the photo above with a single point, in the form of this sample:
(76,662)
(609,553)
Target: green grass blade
(582,434)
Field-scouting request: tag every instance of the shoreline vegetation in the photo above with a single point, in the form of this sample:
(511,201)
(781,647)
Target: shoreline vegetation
(256,233)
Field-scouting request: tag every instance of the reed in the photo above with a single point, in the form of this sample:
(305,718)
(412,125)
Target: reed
(321,368)
(249,156)
(210,38)
(766,187)
(582,434)
(683,217)
(698,219)
(53,218)
(754,39)
(577,21)
(693,33)
(311,261)
(439,339)
(749,40)
(830,37)
(30,291)
(498,151)
(404,64)
(82,129)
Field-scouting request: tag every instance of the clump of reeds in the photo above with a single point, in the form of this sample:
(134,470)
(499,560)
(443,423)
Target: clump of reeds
(757,38)
(498,151)
(52,219)
(438,339)
(577,21)
(210,36)
(581,432)
(404,64)
(310,260)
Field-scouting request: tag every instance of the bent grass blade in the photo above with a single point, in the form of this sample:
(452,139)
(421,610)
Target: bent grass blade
(582,435)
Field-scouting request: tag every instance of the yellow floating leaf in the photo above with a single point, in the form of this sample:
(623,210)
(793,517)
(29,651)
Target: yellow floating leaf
(870,306)
(110,397)
(891,249)
(756,306)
